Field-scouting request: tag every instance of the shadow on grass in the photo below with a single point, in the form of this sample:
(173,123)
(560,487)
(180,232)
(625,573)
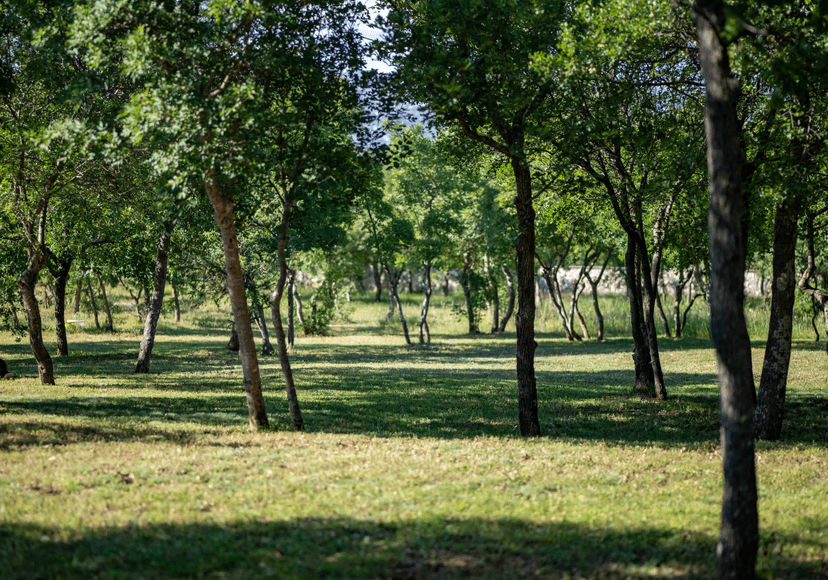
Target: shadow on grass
(347,548)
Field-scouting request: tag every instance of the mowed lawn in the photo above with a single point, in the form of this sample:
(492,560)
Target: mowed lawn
(411,465)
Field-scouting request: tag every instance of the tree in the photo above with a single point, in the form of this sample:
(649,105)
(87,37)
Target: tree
(471,65)
(739,538)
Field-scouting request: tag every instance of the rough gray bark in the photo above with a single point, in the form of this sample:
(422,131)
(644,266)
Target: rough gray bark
(276,315)
(739,537)
(110,326)
(27,283)
(425,335)
(223,209)
(61,279)
(159,282)
(510,305)
(94,304)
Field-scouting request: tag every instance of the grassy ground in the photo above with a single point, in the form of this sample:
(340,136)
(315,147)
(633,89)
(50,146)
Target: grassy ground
(411,466)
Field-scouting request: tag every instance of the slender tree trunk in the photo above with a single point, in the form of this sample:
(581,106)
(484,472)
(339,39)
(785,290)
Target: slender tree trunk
(739,537)
(92,302)
(495,295)
(576,295)
(770,410)
(278,328)
(510,306)
(550,276)
(665,324)
(159,282)
(233,344)
(679,286)
(650,294)
(465,282)
(525,318)
(291,307)
(27,283)
(393,282)
(261,322)
(223,214)
(446,285)
(176,304)
(78,291)
(819,298)
(110,326)
(61,279)
(425,335)
(375,269)
(593,284)
(641,355)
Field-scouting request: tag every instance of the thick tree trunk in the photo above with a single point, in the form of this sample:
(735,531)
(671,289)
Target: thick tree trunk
(27,283)
(176,304)
(110,326)
(425,335)
(525,318)
(159,282)
(739,537)
(644,382)
(278,328)
(91,294)
(377,272)
(61,279)
(510,306)
(223,214)
(770,410)
(233,344)
(78,291)
(261,322)
(393,282)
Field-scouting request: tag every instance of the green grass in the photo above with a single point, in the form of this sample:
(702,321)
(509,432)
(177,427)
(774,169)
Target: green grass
(411,465)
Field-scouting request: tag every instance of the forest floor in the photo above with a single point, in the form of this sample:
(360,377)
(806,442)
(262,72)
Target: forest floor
(411,465)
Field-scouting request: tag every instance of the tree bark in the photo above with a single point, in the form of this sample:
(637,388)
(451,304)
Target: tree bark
(78,291)
(593,284)
(525,318)
(92,302)
(644,382)
(27,283)
(665,324)
(61,279)
(377,272)
(276,315)
(291,307)
(818,297)
(159,282)
(223,213)
(510,305)
(425,335)
(739,537)
(465,282)
(495,295)
(261,322)
(233,344)
(393,282)
(110,326)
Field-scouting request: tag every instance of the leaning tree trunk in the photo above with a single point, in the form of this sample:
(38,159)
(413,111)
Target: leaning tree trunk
(393,282)
(739,537)
(159,282)
(27,283)
(525,318)
(510,305)
(278,328)
(551,278)
(425,335)
(110,326)
(61,279)
(223,214)
(770,409)
(644,380)
(92,302)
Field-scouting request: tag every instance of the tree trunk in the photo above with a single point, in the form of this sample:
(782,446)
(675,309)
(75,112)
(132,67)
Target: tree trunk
(510,306)
(92,302)
(576,295)
(525,318)
(818,298)
(110,326)
(176,304)
(61,279)
(261,322)
(644,382)
(495,295)
(159,282)
(78,291)
(393,281)
(27,283)
(375,269)
(556,300)
(276,315)
(770,410)
(739,537)
(593,284)
(291,307)
(665,324)
(233,344)
(223,214)
(425,335)
(465,282)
